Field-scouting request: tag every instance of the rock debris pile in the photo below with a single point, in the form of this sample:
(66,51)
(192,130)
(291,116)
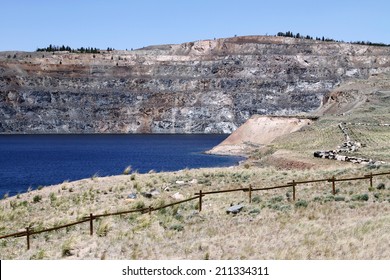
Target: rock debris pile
(349,146)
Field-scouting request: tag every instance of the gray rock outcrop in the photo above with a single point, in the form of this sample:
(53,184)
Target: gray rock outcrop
(235,209)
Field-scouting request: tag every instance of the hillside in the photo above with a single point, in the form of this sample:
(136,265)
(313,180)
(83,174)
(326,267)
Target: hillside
(350,222)
(210,86)
(361,106)
(353,224)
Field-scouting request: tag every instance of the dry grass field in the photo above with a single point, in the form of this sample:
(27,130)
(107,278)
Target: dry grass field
(353,224)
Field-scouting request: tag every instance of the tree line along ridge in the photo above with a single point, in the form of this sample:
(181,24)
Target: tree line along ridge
(63,48)
(53,48)
(323,39)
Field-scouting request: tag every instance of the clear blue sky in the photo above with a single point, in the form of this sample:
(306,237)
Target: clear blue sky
(120,24)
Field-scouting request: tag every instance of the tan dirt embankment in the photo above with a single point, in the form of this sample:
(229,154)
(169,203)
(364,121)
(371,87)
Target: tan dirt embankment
(256,132)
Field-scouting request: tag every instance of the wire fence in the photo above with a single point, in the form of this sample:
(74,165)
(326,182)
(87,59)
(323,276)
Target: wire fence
(28,232)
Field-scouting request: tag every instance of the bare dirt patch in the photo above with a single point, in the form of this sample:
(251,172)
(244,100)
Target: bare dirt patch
(257,132)
(283,159)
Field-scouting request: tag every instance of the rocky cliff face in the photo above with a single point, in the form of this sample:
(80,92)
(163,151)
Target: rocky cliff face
(210,86)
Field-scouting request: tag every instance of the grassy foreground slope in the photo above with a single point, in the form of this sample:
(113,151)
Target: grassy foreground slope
(353,224)
(316,226)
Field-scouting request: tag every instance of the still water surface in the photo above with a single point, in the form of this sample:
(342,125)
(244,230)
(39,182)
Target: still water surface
(34,160)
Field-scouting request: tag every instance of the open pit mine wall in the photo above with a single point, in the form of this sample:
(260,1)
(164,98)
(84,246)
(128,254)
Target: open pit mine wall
(210,86)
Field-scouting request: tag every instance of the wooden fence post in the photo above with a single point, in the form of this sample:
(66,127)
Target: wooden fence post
(371,180)
(333,185)
(90,224)
(28,237)
(250,193)
(293,185)
(200,200)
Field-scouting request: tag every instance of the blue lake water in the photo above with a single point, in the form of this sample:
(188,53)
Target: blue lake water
(34,160)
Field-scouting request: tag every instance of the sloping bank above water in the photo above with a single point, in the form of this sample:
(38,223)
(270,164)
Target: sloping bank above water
(257,132)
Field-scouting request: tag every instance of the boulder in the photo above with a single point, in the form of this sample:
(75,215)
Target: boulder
(193,181)
(341,158)
(151,193)
(154,193)
(146,194)
(234,209)
(177,196)
(318,154)
(132,196)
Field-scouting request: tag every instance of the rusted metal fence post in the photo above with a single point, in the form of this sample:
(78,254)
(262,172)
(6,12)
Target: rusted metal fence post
(250,193)
(293,186)
(91,224)
(28,237)
(200,200)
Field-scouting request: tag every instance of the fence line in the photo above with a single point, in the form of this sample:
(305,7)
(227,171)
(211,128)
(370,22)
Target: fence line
(272,188)
(198,195)
(224,191)
(308,182)
(349,179)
